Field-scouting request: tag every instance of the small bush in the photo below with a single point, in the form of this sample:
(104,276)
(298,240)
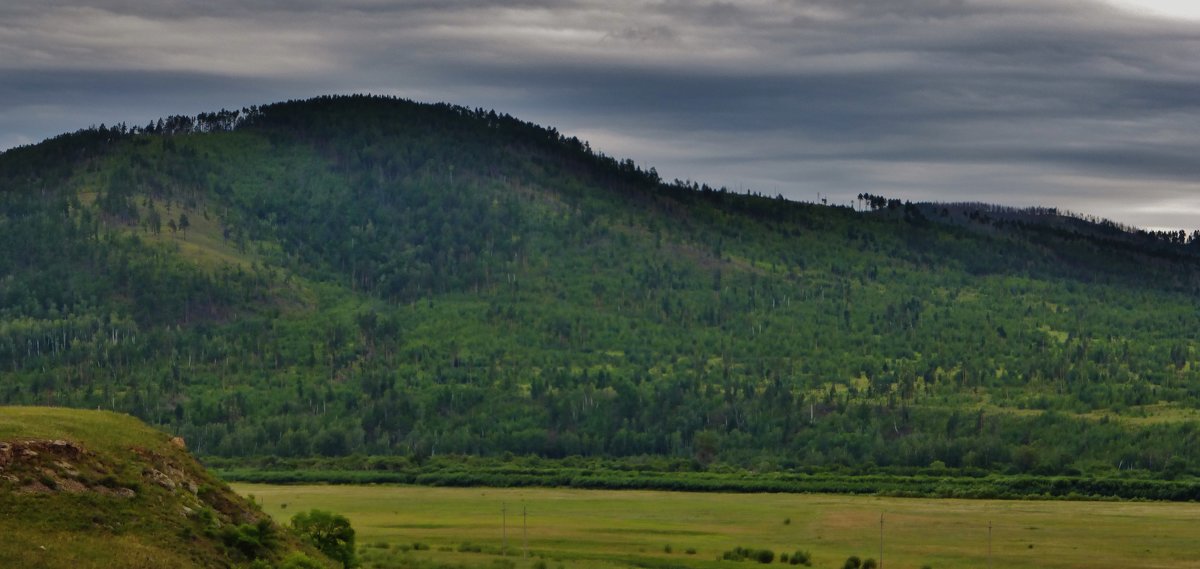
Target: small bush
(667,548)
(329,532)
(418,546)
(539,564)
(801,557)
(787,521)
(869,564)
(251,540)
(690,551)
(744,553)
(300,561)
(852,562)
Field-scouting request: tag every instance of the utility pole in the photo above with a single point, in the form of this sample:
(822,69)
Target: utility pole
(989,544)
(504,523)
(525,529)
(881,540)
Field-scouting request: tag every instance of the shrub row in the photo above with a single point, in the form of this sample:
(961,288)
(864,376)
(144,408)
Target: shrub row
(991,487)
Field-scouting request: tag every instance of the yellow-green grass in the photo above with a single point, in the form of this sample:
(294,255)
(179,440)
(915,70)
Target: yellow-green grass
(103,431)
(605,529)
(83,530)
(103,503)
(202,243)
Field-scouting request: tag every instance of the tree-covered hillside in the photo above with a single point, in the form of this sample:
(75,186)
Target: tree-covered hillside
(369,275)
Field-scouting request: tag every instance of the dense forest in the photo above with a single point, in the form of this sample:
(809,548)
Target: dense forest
(371,276)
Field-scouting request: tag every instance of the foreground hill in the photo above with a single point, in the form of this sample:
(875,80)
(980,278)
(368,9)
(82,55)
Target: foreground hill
(368,275)
(99,489)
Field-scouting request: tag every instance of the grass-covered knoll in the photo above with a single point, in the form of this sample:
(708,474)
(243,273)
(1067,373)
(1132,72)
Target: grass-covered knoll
(369,276)
(104,431)
(661,530)
(95,489)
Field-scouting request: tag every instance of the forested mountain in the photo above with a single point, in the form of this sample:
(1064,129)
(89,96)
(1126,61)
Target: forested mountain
(371,275)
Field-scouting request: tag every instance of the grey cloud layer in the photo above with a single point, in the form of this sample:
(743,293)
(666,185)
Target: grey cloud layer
(1056,102)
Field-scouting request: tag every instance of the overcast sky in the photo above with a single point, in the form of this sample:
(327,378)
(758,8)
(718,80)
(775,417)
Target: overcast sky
(1078,104)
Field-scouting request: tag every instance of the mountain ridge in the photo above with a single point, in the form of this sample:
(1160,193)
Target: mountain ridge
(369,275)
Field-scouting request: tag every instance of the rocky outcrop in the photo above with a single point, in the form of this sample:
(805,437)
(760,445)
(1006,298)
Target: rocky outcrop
(48,466)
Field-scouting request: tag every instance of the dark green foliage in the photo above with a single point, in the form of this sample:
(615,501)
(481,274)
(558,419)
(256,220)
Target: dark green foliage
(801,557)
(665,474)
(869,563)
(744,553)
(852,562)
(411,281)
(252,541)
(328,532)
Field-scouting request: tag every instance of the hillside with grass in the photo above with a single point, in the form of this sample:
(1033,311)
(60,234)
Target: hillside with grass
(100,489)
(376,284)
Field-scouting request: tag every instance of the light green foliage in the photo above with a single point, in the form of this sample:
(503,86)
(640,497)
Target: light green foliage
(300,561)
(331,533)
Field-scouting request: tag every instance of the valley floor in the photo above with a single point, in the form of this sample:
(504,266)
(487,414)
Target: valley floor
(593,529)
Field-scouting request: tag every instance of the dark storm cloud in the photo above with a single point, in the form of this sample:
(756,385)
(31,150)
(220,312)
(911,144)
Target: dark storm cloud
(1066,103)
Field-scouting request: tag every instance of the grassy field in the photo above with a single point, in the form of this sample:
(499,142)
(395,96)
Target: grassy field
(610,529)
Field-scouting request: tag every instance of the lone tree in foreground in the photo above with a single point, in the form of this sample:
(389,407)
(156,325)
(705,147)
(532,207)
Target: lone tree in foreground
(331,533)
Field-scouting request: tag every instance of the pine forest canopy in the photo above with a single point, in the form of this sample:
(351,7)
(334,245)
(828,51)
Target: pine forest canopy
(376,276)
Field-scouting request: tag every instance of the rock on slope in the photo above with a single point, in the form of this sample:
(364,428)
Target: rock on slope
(99,489)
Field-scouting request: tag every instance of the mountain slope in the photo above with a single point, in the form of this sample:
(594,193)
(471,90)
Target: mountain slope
(368,275)
(98,489)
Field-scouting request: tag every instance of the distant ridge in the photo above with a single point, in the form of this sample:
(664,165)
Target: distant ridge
(359,275)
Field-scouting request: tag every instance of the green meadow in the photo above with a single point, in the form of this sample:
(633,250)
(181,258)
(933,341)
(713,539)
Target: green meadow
(665,530)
